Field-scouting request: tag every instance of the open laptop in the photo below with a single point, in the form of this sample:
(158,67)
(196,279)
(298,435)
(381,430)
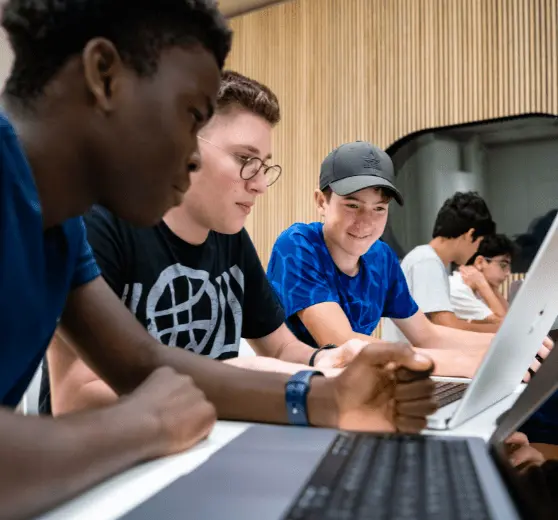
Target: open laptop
(528,321)
(291,473)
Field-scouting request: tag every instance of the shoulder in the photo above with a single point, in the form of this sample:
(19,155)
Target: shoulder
(420,255)
(456,280)
(13,163)
(100,219)
(458,286)
(301,234)
(6,128)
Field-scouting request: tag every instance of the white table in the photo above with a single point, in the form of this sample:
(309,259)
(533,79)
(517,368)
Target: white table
(120,494)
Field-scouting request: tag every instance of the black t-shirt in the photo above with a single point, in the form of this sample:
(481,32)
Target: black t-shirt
(203,298)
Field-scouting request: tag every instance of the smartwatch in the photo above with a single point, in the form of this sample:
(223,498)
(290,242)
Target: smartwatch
(296,393)
(317,351)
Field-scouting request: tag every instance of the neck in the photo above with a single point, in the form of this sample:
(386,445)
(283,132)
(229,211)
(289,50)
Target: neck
(56,165)
(347,264)
(184,226)
(445,249)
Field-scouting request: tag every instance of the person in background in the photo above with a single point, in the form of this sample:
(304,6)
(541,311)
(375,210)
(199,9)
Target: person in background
(103,106)
(461,224)
(202,286)
(475,288)
(529,243)
(336,279)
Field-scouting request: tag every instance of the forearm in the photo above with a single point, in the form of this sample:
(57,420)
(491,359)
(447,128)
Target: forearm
(295,351)
(446,362)
(456,339)
(455,323)
(93,395)
(245,395)
(491,299)
(50,461)
(266,364)
(122,353)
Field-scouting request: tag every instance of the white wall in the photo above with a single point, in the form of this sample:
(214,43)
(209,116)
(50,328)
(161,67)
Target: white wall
(435,171)
(522,183)
(519,182)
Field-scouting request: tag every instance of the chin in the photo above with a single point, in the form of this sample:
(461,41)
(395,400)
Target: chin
(229,227)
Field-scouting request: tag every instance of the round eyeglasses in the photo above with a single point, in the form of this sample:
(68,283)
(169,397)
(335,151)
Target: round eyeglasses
(505,265)
(251,166)
(254,165)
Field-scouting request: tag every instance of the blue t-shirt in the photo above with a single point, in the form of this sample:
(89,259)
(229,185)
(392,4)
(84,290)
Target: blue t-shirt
(38,269)
(302,272)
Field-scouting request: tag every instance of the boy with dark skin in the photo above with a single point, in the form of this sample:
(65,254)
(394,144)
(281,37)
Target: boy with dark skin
(103,105)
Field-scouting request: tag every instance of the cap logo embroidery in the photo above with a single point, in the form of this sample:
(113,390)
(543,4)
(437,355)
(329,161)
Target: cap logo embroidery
(372,161)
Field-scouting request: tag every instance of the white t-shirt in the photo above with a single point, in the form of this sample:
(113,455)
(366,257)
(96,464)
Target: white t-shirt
(466,304)
(428,281)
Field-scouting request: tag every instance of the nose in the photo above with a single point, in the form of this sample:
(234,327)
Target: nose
(258,183)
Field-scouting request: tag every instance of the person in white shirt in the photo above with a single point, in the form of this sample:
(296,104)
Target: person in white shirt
(461,224)
(475,288)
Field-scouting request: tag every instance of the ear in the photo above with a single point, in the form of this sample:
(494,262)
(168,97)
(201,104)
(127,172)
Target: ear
(469,235)
(320,202)
(479,262)
(103,69)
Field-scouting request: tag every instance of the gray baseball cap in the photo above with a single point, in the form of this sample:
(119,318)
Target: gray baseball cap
(355,166)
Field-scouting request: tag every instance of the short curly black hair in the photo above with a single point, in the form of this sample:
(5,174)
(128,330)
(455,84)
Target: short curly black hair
(44,34)
(462,212)
(495,245)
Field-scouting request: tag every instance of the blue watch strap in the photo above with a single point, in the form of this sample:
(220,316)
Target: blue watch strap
(296,393)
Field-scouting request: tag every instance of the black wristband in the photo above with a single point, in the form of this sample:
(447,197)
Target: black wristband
(317,351)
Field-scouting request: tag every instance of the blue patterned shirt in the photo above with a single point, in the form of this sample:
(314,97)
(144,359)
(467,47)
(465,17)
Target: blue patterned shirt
(302,272)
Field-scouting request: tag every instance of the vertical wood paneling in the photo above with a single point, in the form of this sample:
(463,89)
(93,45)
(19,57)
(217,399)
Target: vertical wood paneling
(380,69)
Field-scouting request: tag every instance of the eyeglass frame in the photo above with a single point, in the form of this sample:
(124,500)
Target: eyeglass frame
(508,264)
(246,161)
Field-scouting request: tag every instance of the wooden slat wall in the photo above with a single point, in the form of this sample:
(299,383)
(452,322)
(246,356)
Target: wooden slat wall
(380,69)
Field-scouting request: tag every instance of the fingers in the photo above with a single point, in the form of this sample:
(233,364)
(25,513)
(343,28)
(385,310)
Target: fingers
(525,455)
(414,402)
(535,365)
(410,424)
(548,343)
(416,409)
(518,438)
(404,375)
(415,390)
(202,418)
(543,353)
(402,355)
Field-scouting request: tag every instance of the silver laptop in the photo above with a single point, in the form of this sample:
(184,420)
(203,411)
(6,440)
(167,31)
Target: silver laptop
(290,473)
(528,321)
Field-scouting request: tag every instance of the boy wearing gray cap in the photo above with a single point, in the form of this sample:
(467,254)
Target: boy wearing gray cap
(336,279)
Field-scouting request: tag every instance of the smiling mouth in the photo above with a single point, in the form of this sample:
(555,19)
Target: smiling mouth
(359,238)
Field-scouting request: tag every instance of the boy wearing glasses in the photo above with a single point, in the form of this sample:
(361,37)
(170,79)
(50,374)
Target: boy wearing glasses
(195,281)
(475,288)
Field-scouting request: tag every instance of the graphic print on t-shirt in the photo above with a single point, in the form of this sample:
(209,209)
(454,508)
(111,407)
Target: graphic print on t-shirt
(185,308)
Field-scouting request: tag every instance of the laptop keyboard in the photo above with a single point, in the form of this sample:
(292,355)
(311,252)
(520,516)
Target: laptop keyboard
(447,393)
(370,477)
